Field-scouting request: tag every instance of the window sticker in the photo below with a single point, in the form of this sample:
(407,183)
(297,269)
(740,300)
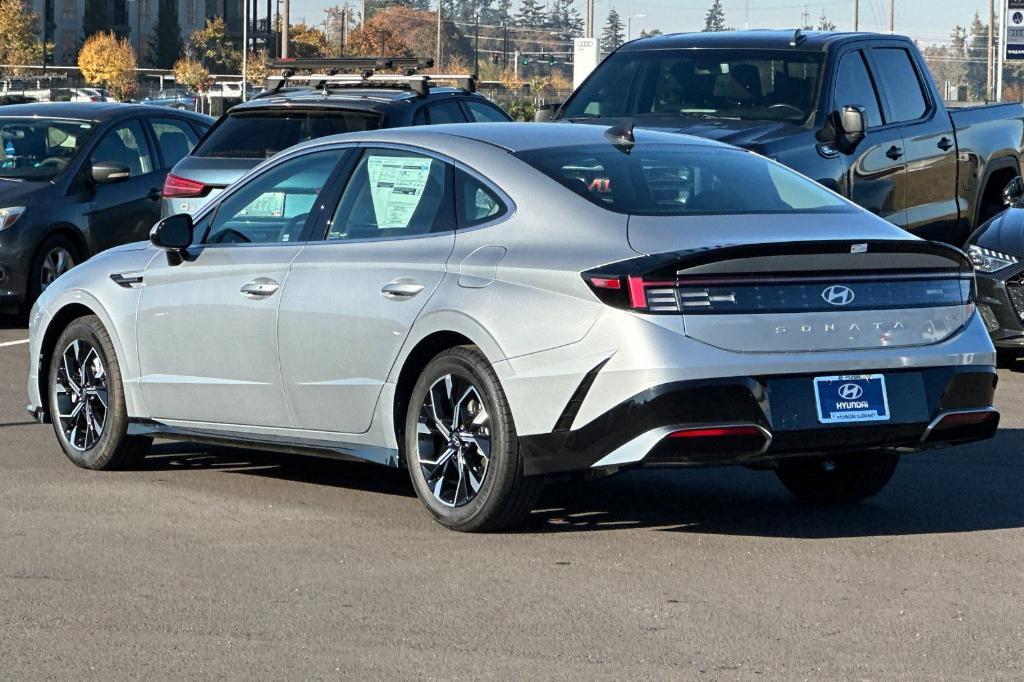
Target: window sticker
(396,185)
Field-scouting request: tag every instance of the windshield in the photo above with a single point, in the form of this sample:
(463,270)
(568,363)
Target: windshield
(763,85)
(671,180)
(39,149)
(261,134)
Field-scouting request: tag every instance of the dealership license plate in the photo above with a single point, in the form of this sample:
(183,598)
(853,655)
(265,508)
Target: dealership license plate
(851,398)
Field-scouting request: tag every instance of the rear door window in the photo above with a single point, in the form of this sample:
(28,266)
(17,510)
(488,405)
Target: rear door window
(174,138)
(394,193)
(262,133)
(446,111)
(481,112)
(903,90)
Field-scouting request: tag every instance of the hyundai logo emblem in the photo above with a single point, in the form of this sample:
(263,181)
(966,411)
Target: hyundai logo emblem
(837,294)
(850,391)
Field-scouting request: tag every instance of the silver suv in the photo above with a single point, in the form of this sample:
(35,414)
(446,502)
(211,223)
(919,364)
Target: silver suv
(490,304)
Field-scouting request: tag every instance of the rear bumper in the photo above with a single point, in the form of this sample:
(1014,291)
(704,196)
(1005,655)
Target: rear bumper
(782,408)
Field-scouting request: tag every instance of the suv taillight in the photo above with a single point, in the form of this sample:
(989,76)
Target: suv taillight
(175,187)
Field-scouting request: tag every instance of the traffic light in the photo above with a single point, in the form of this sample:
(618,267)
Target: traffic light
(525,61)
(494,58)
(551,61)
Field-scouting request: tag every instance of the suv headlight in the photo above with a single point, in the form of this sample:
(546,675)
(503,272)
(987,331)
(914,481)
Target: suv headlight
(10,215)
(987,260)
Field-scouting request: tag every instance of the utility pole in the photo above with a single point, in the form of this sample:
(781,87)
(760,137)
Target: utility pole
(437,57)
(476,47)
(892,16)
(245,47)
(991,45)
(588,31)
(1001,55)
(344,28)
(286,16)
(856,15)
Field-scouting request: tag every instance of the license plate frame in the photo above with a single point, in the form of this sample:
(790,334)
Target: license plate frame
(839,402)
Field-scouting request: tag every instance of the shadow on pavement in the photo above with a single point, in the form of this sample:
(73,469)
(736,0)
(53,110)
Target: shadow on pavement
(963,489)
(13,322)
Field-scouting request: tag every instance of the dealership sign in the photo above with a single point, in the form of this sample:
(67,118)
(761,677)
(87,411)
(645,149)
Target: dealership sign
(1014,30)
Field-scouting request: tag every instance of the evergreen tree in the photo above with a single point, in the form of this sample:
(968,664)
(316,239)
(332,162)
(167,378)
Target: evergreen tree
(976,73)
(824,24)
(530,14)
(503,12)
(165,43)
(614,33)
(714,20)
(565,19)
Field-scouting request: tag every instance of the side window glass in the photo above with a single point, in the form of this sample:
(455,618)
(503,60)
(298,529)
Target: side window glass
(275,206)
(125,145)
(477,203)
(393,193)
(420,118)
(854,87)
(902,86)
(479,112)
(446,111)
(175,139)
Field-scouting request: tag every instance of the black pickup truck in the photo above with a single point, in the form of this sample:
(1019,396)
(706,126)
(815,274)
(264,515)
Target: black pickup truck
(858,112)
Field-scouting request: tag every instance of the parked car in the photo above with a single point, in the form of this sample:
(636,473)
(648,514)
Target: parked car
(77,178)
(488,304)
(254,131)
(79,95)
(997,250)
(856,111)
(175,98)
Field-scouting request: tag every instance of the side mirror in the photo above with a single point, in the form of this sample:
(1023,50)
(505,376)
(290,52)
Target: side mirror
(107,172)
(545,112)
(1013,193)
(173,234)
(853,125)
(844,130)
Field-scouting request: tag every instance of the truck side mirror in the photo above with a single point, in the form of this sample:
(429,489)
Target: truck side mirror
(853,125)
(1013,193)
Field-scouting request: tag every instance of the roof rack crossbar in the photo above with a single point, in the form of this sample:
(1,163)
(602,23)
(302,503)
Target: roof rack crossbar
(419,83)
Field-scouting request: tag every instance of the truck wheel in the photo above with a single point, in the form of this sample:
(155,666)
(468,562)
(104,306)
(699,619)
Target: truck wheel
(461,446)
(86,397)
(842,479)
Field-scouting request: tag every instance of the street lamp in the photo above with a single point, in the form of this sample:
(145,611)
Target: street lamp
(629,22)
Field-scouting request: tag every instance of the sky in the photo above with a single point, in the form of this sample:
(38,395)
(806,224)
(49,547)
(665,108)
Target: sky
(928,21)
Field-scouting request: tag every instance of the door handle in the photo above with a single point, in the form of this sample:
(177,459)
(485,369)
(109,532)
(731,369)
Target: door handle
(261,287)
(401,289)
(154,194)
(945,144)
(894,153)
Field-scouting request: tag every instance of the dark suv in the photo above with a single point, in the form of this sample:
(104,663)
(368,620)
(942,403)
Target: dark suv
(324,105)
(77,178)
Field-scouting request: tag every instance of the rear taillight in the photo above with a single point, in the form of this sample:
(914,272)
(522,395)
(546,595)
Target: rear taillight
(178,187)
(709,442)
(635,293)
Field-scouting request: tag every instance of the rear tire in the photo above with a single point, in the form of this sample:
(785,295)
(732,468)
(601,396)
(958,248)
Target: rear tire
(461,446)
(843,479)
(86,399)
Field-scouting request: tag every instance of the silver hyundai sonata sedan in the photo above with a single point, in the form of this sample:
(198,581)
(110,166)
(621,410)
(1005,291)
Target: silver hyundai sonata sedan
(489,305)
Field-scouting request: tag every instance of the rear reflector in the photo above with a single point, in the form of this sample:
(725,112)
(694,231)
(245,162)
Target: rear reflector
(962,426)
(717,432)
(606,282)
(177,187)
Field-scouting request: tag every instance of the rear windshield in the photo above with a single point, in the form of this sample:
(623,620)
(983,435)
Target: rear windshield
(763,85)
(261,134)
(668,179)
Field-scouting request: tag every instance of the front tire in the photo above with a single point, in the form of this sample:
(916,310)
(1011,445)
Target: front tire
(461,446)
(842,479)
(87,403)
(55,256)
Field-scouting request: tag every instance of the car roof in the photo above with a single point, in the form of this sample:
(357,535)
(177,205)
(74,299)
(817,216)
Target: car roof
(345,98)
(812,41)
(517,137)
(85,111)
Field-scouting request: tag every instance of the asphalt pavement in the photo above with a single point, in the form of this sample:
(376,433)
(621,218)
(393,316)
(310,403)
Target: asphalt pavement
(227,563)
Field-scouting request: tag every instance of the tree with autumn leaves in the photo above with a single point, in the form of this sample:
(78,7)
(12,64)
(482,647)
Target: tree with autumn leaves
(109,61)
(19,42)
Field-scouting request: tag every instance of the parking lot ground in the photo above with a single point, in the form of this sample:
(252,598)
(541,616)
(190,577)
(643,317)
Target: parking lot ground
(226,563)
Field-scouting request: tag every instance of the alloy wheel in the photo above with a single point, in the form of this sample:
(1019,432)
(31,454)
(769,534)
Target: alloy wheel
(453,440)
(82,395)
(56,262)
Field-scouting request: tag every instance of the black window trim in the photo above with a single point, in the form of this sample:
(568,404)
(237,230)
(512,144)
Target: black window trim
(869,67)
